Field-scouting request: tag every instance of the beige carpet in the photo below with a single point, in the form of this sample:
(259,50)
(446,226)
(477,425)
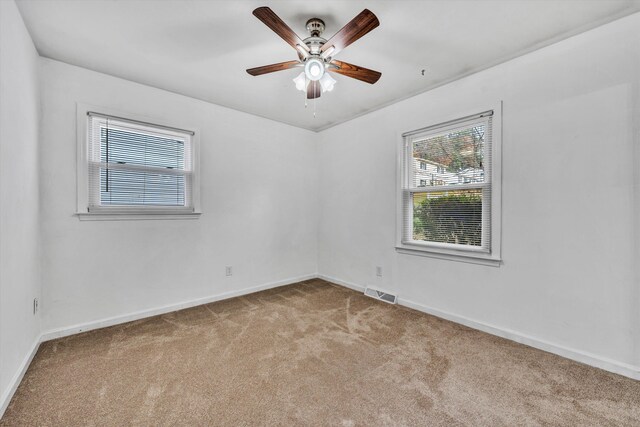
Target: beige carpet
(310,354)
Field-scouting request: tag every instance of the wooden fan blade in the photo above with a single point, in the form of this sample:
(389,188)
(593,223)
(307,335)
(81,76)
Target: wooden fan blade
(257,71)
(313,90)
(356,28)
(355,71)
(271,20)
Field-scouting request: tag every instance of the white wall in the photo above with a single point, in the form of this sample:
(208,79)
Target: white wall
(19,206)
(259,203)
(570,123)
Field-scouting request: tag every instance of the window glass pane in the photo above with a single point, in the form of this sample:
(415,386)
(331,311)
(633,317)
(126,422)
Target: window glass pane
(126,147)
(448,217)
(126,187)
(455,157)
(123,186)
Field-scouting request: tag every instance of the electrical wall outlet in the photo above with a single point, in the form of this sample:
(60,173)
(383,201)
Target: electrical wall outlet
(35,305)
(379,271)
(228,270)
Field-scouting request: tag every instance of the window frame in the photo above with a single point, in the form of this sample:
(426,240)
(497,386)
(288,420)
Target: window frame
(130,212)
(471,254)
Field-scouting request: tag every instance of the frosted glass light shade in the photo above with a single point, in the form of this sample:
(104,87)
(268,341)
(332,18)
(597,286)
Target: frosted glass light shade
(327,82)
(301,82)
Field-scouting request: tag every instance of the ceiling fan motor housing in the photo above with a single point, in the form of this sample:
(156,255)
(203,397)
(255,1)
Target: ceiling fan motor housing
(315,26)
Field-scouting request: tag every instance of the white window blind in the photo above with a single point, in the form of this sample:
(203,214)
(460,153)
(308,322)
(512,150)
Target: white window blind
(446,185)
(134,166)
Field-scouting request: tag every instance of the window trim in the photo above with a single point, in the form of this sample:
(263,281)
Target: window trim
(129,212)
(448,251)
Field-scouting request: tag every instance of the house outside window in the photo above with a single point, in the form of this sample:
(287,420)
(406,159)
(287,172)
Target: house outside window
(455,213)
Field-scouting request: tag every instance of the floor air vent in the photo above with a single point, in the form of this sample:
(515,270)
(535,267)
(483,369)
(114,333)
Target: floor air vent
(382,296)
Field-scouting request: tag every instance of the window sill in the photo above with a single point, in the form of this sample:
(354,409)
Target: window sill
(129,216)
(468,257)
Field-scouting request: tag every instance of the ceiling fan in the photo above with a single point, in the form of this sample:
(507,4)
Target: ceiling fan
(315,54)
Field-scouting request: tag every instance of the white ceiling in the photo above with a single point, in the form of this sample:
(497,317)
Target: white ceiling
(201,48)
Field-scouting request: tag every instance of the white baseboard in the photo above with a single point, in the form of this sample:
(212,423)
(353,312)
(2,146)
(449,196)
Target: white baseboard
(341,282)
(17,378)
(590,359)
(578,355)
(116,320)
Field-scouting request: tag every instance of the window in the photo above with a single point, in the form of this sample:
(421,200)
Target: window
(136,168)
(423,165)
(457,214)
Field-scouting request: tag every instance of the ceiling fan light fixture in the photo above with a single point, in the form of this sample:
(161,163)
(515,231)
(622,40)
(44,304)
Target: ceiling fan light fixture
(301,82)
(314,69)
(315,53)
(327,82)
